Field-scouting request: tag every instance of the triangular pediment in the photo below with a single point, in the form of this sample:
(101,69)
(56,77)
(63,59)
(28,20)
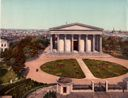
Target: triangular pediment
(76,26)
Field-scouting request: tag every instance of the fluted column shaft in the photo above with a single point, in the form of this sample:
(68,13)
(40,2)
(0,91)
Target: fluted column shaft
(100,44)
(51,44)
(86,43)
(93,43)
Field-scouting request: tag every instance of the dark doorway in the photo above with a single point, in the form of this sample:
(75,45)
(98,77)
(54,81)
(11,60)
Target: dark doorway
(64,90)
(99,87)
(75,44)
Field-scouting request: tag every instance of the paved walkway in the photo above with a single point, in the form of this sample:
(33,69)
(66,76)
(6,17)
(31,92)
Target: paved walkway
(44,77)
(85,69)
(40,76)
(39,93)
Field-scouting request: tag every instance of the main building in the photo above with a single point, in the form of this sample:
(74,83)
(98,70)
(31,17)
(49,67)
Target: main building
(76,38)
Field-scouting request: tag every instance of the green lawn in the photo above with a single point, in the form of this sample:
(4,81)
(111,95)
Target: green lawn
(21,88)
(104,69)
(64,68)
(6,74)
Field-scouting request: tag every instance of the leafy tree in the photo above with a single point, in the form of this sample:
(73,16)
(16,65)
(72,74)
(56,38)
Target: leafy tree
(116,46)
(20,51)
(124,48)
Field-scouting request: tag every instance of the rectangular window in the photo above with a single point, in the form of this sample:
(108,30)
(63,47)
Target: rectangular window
(1,45)
(64,90)
(1,49)
(4,45)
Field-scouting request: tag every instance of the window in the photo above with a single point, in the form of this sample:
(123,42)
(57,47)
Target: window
(1,45)
(64,90)
(5,49)
(4,45)
(1,49)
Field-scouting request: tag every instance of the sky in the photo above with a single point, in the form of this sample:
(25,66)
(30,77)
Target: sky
(44,14)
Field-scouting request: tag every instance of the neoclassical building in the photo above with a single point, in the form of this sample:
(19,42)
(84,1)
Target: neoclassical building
(76,38)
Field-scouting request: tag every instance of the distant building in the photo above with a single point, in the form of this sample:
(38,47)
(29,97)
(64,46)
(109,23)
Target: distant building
(3,45)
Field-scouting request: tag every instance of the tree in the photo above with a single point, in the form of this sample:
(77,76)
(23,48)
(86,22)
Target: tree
(124,48)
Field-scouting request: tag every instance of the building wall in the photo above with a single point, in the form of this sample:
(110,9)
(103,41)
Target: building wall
(61,45)
(89,46)
(68,45)
(82,45)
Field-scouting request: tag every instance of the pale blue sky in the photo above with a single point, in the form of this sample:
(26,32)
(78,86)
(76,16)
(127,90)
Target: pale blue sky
(43,14)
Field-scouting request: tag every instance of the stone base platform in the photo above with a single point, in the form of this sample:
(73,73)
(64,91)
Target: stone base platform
(80,55)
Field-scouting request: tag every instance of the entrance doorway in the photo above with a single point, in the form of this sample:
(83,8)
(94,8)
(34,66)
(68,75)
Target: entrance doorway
(75,45)
(64,90)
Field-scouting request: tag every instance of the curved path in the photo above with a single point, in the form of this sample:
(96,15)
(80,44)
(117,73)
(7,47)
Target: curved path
(44,77)
(39,93)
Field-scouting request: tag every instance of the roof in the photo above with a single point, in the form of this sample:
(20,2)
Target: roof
(3,40)
(75,24)
(64,80)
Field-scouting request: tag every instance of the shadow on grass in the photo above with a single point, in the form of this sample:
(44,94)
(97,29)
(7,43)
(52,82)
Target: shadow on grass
(3,71)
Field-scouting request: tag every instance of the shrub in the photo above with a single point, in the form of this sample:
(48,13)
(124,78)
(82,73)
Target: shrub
(18,89)
(50,95)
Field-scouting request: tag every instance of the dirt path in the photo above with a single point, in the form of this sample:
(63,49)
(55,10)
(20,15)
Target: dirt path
(44,77)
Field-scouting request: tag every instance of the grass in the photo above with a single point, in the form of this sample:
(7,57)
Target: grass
(64,68)
(21,88)
(6,74)
(104,69)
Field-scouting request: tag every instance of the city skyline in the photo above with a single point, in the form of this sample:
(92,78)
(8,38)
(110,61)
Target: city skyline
(43,14)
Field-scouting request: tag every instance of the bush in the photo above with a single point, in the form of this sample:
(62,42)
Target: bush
(50,95)
(18,89)
(116,46)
